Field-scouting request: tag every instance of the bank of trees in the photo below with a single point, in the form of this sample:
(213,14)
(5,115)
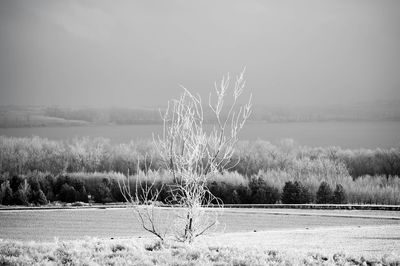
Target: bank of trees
(21,155)
(230,187)
(366,176)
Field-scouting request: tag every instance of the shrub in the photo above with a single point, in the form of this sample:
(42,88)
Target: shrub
(165,193)
(34,183)
(37,197)
(243,194)
(92,180)
(339,195)
(295,193)
(67,193)
(2,191)
(102,192)
(47,184)
(305,194)
(6,193)
(60,181)
(223,191)
(261,192)
(15,182)
(22,196)
(290,193)
(116,193)
(74,191)
(324,193)
(82,195)
(236,197)
(226,186)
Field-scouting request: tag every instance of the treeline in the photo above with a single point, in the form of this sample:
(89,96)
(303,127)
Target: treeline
(23,155)
(262,155)
(39,189)
(36,171)
(232,188)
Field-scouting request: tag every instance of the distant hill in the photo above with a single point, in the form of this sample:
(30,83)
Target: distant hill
(35,116)
(363,111)
(118,116)
(31,116)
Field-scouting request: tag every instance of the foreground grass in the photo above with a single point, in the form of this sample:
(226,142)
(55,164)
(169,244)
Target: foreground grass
(92,251)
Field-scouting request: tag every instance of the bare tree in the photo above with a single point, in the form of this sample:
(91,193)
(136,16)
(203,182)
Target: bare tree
(191,153)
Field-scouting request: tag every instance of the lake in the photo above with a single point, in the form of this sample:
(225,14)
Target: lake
(353,135)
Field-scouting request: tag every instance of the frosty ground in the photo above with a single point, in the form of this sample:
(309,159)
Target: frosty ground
(359,233)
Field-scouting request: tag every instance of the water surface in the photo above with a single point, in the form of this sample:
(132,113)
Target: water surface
(383,134)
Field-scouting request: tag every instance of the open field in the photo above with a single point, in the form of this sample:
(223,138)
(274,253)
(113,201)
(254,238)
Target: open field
(249,237)
(45,225)
(355,240)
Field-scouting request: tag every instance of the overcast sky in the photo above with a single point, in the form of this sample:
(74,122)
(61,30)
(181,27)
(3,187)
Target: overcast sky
(136,53)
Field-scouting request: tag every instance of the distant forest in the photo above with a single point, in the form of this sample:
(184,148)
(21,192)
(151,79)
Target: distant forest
(33,116)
